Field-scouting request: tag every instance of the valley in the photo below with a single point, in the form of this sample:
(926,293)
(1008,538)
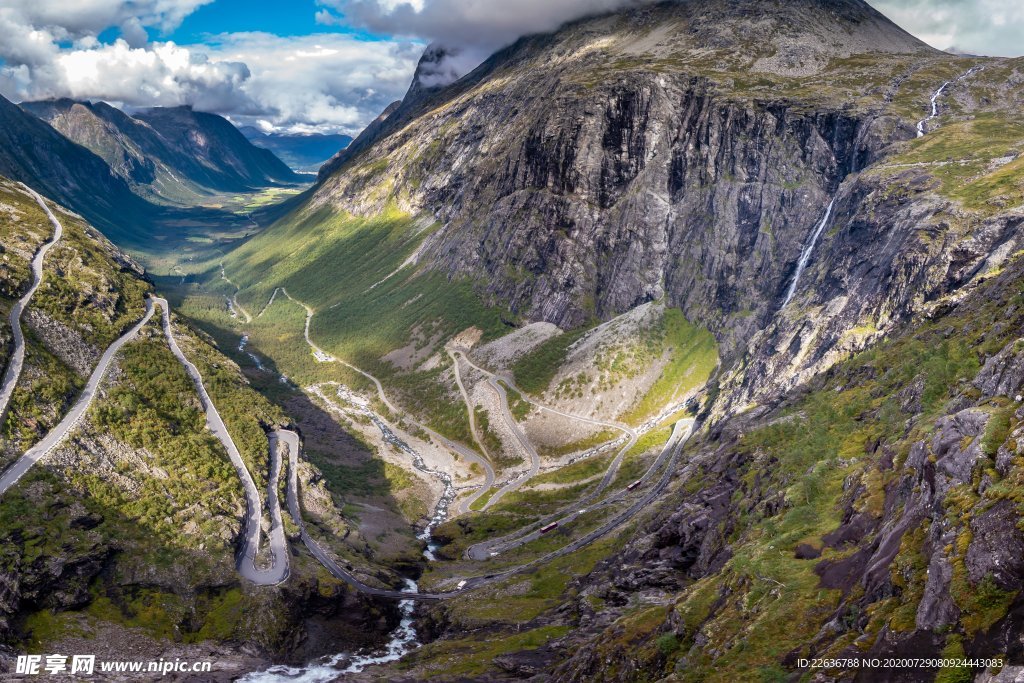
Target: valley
(646,336)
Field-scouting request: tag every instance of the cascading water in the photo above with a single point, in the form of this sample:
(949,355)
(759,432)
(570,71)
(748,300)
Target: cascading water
(805,256)
(242,344)
(922,125)
(403,638)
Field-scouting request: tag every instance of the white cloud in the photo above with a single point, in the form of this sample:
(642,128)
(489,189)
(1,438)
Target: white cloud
(163,74)
(468,23)
(76,18)
(319,82)
(984,27)
(337,81)
(330,82)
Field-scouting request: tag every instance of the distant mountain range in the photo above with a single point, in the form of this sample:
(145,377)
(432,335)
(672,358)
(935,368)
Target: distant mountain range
(306,153)
(166,155)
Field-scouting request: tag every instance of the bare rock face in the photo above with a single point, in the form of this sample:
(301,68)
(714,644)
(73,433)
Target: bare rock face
(997,547)
(937,608)
(627,158)
(1003,374)
(64,342)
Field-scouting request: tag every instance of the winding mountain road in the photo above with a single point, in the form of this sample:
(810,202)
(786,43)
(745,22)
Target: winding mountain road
(470,412)
(17,360)
(667,458)
(278,569)
(495,382)
(517,432)
(455,447)
(496,546)
(64,427)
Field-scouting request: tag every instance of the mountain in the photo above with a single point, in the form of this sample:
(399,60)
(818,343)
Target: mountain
(174,155)
(682,150)
(217,145)
(581,212)
(33,152)
(140,509)
(305,153)
(680,343)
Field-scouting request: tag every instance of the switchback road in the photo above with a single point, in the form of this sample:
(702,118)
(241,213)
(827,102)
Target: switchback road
(17,361)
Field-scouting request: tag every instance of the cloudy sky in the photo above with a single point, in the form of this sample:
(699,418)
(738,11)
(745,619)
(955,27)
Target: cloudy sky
(328,65)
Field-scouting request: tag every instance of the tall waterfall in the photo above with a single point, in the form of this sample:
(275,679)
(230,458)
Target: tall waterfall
(805,256)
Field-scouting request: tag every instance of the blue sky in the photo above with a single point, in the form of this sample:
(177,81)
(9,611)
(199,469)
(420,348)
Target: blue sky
(328,65)
(283,18)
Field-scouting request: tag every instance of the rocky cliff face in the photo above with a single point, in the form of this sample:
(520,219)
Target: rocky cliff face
(919,549)
(627,158)
(222,157)
(872,513)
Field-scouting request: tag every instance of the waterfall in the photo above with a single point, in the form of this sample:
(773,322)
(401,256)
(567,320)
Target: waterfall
(935,110)
(805,256)
(923,123)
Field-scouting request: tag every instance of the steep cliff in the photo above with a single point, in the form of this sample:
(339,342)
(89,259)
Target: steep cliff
(665,151)
(33,152)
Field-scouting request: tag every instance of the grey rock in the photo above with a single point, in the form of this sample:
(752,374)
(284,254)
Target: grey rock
(1003,373)
(952,458)
(997,547)
(937,607)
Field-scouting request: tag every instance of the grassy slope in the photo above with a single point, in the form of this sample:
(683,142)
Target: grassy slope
(693,356)
(86,288)
(691,351)
(169,506)
(330,261)
(827,441)
(142,490)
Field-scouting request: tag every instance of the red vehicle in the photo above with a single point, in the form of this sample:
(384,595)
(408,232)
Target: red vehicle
(633,485)
(549,527)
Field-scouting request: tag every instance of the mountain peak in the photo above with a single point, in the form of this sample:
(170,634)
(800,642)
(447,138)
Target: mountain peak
(792,38)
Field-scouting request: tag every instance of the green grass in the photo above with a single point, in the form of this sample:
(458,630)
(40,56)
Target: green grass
(693,355)
(966,150)
(472,657)
(246,413)
(534,371)
(825,443)
(540,502)
(45,390)
(330,261)
(580,445)
(87,289)
(22,236)
(517,405)
(480,502)
(517,602)
(578,471)
(155,409)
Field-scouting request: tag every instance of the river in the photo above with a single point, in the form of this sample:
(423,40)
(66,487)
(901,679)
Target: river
(402,639)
